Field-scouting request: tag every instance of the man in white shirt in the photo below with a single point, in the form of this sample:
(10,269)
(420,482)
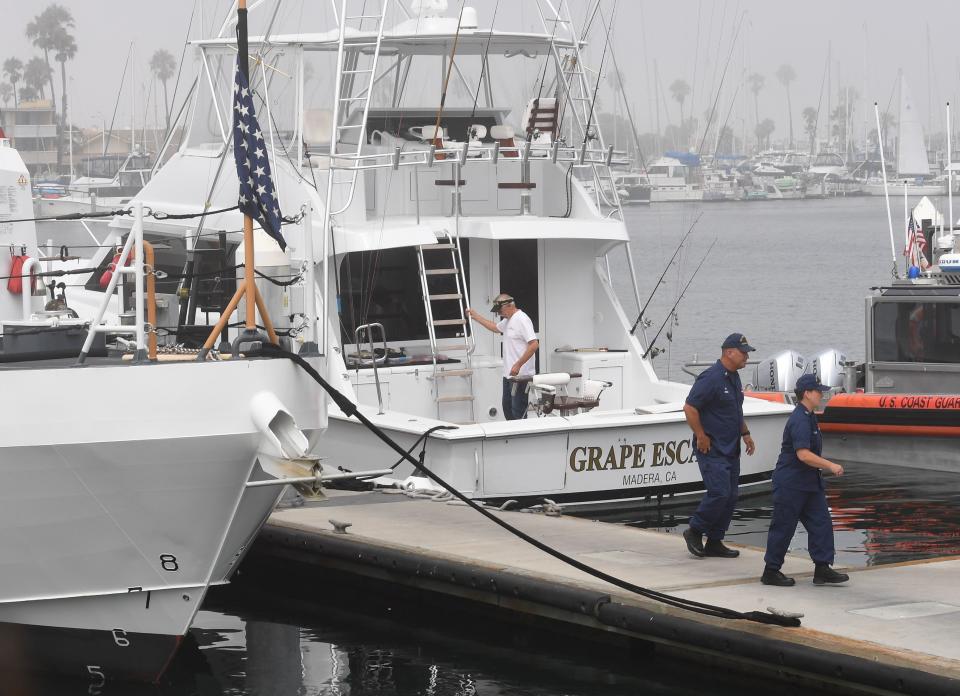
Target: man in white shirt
(519,345)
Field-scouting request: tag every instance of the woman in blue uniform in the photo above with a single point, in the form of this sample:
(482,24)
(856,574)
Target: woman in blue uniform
(798,494)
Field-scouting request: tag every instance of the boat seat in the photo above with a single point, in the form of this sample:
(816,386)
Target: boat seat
(504,136)
(541,120)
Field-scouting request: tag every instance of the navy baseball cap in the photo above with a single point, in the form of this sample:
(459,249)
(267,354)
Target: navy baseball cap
(810,382)
(738,341)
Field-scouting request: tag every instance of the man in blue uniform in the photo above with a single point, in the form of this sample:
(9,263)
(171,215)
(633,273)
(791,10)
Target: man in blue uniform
(798,494)
(714,411)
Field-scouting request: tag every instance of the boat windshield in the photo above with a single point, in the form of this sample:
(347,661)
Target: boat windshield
(918,332)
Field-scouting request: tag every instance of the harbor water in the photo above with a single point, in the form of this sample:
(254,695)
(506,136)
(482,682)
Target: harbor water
(788,274)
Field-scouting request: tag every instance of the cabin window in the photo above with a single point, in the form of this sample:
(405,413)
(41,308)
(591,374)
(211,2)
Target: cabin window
(918,332)
(383,286)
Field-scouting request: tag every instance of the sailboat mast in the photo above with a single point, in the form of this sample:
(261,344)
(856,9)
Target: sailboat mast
(949,168)
(829,90)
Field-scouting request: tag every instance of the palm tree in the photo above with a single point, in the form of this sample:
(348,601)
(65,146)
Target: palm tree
(13,69)
(45,31)
(6,91)
(810,117)
(66,50)
(162,64)
(28,92)
(680,89)
(763,131)
(786,74)
(756,81)
(36,75)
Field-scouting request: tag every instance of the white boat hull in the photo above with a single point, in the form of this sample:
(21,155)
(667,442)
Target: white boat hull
(603,460)
(673,195)
(895,188)
(114,525)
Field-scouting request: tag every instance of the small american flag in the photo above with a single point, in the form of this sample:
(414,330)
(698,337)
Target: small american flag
(916,245)
(257,196)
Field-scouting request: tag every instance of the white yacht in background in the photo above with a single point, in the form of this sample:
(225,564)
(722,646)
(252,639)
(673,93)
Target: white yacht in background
(429,220)
(672,180)
(133,476)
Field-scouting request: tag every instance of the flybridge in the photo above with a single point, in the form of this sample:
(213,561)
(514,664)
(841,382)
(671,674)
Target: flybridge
(470,42)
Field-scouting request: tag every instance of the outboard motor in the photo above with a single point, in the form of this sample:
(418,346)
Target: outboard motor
(829,368)
(780,373)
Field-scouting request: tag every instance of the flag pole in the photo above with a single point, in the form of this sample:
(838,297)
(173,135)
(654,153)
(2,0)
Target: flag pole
(250,287)
(248,290)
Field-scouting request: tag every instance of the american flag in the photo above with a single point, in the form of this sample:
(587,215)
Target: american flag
(257,196)
(916,245)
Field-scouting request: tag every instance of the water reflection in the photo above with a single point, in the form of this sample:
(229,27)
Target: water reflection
(880,515)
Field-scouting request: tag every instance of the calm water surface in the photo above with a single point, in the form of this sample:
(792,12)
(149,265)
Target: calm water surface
(787,274)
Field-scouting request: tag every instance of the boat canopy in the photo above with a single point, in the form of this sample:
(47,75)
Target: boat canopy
(687,159)
(408,40)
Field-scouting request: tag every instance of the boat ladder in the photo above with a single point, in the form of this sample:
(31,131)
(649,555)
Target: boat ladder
(357,57)
(575,95)
(443,283)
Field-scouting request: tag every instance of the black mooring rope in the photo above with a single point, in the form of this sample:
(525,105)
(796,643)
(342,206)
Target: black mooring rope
(350,409)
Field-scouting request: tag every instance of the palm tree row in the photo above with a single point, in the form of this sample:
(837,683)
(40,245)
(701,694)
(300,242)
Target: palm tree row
(50,31)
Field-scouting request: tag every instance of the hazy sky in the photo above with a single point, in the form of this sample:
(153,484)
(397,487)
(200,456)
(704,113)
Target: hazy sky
(773,32)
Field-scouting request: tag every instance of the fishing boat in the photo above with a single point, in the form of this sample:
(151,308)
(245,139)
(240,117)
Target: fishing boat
(672,180)
(134,475)
(433,210)
(901,405)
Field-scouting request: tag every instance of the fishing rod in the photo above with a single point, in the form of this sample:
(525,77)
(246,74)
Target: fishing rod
(679,297)
(664,274)
(596,88)
(626,103)
(483,62)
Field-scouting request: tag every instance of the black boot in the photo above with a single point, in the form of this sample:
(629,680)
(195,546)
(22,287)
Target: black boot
(716,549)
(824,574)
(776,578)
(694,541)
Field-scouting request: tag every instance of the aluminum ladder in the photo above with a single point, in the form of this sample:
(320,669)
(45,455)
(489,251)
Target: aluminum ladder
(575,94)
(447,253)
(356,74)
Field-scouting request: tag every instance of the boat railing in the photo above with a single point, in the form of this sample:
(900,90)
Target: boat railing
(136,249)
(578,156)
(374,361)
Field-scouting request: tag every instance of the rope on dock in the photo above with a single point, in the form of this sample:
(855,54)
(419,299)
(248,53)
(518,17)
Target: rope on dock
(350,409)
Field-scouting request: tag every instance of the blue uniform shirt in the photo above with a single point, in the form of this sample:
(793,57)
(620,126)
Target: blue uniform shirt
(718,395)
(801,432)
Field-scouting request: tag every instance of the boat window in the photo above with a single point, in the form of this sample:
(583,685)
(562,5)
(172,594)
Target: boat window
(925,332)
(384,286)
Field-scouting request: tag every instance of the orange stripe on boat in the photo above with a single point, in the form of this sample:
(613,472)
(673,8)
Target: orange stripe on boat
(776,397)
(946,402)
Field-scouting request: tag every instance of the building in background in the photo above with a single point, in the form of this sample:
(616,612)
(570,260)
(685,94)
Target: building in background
(32,127)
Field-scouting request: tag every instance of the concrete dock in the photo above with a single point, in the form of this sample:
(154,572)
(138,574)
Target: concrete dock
(891,630)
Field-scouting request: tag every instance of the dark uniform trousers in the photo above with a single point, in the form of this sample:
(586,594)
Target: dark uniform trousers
(721,476)
(810,509)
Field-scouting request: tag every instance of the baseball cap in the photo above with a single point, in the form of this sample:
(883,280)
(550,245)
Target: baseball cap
(500,301)
(738,341)
(810,382)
